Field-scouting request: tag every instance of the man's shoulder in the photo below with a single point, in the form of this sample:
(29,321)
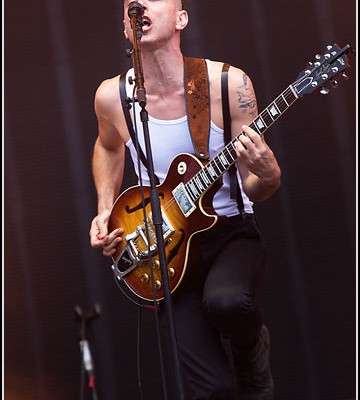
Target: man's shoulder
(107,98)
(108,88)
(108,83)
(215,69)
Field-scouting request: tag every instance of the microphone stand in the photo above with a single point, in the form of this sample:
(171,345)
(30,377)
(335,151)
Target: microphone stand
(85,317)
(135,15)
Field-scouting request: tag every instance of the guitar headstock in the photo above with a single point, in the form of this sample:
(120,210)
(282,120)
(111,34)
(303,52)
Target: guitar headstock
(323,70)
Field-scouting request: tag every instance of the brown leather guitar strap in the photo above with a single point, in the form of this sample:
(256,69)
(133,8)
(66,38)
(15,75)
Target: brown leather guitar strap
(197,97)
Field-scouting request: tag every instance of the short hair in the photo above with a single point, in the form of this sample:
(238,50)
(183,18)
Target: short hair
(184,3)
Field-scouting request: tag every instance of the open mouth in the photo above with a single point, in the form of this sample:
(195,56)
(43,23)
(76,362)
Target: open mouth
(146,24)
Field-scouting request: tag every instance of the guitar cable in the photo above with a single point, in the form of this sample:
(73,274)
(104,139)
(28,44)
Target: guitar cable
(155,307)
(138,355)
(158,336)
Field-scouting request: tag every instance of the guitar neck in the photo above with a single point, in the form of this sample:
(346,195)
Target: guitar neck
(212,171)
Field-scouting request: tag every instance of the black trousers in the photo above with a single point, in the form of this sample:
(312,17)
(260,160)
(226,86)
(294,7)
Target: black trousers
(216,301)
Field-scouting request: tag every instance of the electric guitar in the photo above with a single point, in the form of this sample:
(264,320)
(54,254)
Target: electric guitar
(185,194)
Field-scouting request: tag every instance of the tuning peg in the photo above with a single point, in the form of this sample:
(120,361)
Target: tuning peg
(309,63)
(324,90)
(334,83)
(345,76)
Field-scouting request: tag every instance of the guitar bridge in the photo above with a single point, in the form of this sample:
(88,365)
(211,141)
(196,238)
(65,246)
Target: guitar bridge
(141,245)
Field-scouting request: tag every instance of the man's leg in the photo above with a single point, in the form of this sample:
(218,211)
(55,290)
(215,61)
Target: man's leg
(205,363)
(252,368)
(230,292)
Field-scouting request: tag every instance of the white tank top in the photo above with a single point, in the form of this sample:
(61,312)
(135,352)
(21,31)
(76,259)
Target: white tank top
(171,137)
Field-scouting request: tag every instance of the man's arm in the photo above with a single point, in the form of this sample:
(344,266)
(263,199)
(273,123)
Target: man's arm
(107,166)
(257,165)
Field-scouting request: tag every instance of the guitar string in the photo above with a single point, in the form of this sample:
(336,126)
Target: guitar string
(287,94)
(282,102)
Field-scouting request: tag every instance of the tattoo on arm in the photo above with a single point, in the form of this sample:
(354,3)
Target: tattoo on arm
(246,98)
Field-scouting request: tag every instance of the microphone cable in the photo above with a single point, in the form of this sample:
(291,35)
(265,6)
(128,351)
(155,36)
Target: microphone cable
(155,307)
(158,336)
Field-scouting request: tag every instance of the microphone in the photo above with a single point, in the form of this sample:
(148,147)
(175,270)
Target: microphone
(135,9)
(135,13)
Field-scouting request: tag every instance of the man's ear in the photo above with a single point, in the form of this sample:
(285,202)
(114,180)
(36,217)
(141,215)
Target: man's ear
(125,33)
(182,20)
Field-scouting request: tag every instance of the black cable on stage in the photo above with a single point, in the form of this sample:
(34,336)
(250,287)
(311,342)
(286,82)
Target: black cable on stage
(155,307)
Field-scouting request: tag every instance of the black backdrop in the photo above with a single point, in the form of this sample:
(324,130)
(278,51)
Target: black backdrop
(56,54)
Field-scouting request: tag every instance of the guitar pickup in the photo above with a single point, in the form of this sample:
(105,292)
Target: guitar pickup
(166,226)
(183,200)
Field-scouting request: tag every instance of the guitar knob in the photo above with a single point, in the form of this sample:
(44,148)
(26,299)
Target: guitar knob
(157,285)
(145,278)
(171,272)
(324,90)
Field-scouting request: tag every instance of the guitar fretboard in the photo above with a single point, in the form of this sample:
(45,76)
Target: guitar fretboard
(208,175)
